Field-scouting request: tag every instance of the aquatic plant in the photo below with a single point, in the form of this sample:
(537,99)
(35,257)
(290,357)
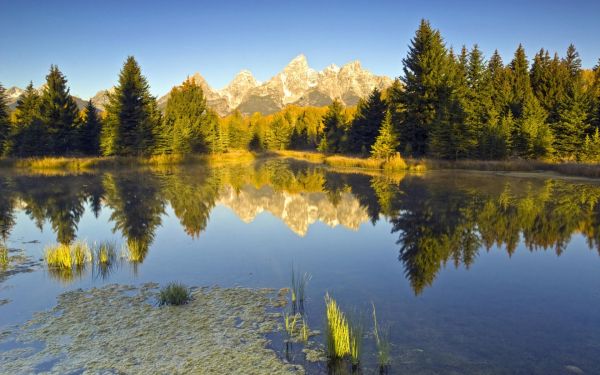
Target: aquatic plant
(337,332)
(290,322)
(304,331)
(4,260)
(68,256)
(174,294)
(357,331)
(298,289)
(105,256)
(382,343)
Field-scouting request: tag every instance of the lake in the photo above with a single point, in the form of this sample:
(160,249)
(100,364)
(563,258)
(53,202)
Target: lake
(471,272)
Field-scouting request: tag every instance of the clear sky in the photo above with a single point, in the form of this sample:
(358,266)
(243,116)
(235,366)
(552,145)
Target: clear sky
(89,40)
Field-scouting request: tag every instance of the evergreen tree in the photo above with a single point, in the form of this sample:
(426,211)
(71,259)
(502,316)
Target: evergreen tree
(572,112)
(89,132)
(595,116)
(366,123)
(520,81)
(4,121)
(28,136)
(132,124)
(59,112)
(334,123)
(186,119)
(424,74)
(500,84)
(386,143)
(279,133)
(533,137)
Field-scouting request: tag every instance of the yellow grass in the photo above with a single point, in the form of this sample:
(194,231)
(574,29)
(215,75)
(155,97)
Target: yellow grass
(338,330)
(68,256)
(4,260)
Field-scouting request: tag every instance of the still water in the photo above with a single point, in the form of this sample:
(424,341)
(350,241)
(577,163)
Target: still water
(473,273)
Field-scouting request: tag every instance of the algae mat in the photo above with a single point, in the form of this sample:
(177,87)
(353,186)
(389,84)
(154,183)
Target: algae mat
(119,330)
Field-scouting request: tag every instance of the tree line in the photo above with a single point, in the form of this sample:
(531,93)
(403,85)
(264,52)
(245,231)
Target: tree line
(448,104)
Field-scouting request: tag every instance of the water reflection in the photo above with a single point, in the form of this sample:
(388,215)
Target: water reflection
(439,218)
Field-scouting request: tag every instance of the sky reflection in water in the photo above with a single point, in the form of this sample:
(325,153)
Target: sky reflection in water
(473,272)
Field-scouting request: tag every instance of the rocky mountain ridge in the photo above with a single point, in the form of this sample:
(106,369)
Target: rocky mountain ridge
(296,84)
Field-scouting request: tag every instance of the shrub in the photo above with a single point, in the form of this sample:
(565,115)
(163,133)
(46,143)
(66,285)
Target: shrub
(174,294)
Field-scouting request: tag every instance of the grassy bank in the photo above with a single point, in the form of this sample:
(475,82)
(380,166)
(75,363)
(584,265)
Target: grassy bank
(81,164)
(393,164)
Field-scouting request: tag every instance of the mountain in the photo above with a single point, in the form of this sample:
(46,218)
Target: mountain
(13,94)
(296,84)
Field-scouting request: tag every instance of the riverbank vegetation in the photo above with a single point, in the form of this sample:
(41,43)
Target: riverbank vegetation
(448,104)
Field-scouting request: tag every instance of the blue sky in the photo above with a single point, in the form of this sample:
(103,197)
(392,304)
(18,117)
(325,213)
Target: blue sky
(89,40)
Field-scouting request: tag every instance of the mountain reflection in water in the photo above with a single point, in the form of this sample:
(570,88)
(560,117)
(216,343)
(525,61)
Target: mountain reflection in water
(438,217)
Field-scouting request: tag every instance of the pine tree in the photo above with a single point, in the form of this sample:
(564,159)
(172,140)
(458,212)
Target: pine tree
(186,119)
(595,115)
(520,81)
(59,112)
(366,123)
(533,137)
(499,79)
(132,125)
(4,121)
(89,132)
(334,122)
(386,143)
(572,120)
(28,136)
(424,74)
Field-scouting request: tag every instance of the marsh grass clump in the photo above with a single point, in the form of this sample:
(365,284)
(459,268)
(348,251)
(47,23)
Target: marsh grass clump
(337,331)
(105,256)
(357,332)
(68,256)
(383,345)
(4,260)
(175,294)
(298,290)
(290,322)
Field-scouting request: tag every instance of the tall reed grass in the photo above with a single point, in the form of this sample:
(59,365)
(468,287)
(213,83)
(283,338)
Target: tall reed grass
(298,290)
(4,259)
(337,331)
(382,343)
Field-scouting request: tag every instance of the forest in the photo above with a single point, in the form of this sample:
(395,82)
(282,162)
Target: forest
(448,104)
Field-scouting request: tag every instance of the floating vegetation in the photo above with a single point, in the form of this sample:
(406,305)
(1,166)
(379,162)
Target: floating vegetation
(175,294)
(115,330)
(298,290)
(337,331)
(382,343)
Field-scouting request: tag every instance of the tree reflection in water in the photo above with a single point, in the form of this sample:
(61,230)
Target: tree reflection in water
(439,217)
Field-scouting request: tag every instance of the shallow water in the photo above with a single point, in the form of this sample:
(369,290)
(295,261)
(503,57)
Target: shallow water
(473,273)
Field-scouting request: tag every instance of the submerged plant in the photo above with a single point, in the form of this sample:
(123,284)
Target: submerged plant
(337,330)
(382,343)
(174,294)
(299,283)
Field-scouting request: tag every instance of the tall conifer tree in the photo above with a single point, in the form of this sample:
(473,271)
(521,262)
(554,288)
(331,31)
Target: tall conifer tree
(59,112)
(366,123)
(89,132)
(4,121)
(132,124)
(424,74)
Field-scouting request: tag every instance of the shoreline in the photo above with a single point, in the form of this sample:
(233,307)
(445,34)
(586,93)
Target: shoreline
(348,162)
